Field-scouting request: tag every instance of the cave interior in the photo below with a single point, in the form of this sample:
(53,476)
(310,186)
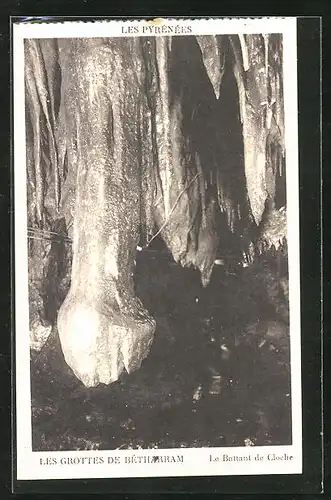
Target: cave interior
(218,373)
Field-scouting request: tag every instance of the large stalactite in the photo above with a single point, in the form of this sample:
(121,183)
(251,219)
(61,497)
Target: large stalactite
(185,211)
(258,71)
(182,186)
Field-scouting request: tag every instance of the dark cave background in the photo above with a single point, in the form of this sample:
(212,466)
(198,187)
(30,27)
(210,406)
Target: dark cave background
(218,373)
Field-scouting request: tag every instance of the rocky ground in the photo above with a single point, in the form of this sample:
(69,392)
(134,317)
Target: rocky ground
(218,373)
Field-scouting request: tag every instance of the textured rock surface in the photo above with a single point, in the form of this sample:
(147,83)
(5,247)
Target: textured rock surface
(256,61)
(258,71)
(42,180)
(184,209)
(214,59)
(103,327)
(117,153)
(218,372)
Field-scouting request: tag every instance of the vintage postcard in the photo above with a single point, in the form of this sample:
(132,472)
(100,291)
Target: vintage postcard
(157,293)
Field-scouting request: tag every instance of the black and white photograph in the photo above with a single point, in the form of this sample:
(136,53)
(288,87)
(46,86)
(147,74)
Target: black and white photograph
(157,248)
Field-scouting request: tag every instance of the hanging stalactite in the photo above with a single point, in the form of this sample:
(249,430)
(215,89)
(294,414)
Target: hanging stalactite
(214,59)
(261,108)
(43,181)
(184,215)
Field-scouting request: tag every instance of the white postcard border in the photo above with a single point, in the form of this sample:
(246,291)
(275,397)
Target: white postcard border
(140,463)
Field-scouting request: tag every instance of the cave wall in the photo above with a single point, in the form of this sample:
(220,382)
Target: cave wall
(202,169)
